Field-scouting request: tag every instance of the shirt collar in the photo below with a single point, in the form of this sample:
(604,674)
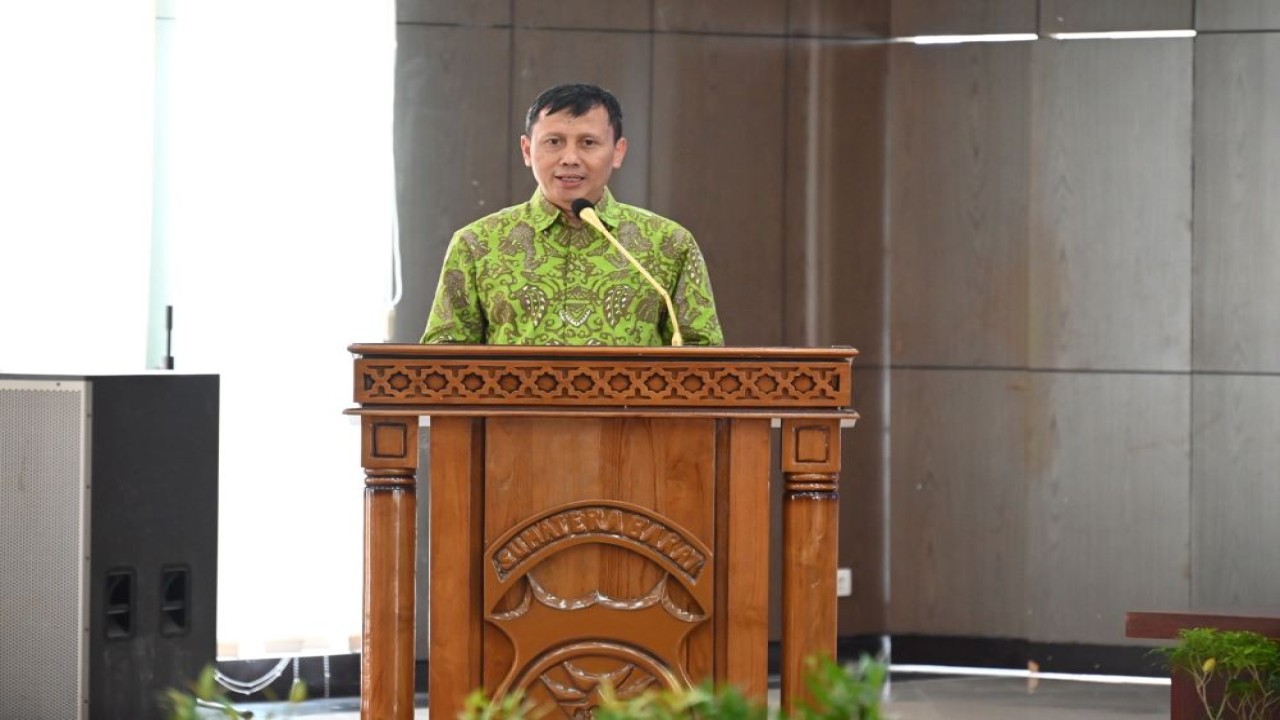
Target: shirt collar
(545,214)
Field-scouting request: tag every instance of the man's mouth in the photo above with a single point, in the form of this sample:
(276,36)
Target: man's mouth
(570,178)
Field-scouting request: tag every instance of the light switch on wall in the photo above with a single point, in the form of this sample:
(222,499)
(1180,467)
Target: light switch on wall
(844,582)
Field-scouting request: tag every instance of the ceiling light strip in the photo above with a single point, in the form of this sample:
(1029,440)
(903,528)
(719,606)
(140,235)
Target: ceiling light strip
(1124,35)
(957,39)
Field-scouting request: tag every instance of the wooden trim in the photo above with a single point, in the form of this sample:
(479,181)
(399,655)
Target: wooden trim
(811,445)
(743,494)
(389,448)
(1165,624)
(575,383)
(847,416)
(490,352)
(463,387)
(810,539)
(457,460)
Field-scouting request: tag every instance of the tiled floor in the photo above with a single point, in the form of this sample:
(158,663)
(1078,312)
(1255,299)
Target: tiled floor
(912,697)
(994,698)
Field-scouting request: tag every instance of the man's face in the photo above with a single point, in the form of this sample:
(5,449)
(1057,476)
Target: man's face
(573,157)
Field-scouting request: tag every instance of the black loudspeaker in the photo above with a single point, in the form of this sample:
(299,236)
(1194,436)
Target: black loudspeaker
(108,542)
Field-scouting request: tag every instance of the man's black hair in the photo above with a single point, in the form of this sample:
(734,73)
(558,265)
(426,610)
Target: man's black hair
(578,99)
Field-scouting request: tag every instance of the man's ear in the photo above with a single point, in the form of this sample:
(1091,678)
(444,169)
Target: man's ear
(619,152)
(524,150)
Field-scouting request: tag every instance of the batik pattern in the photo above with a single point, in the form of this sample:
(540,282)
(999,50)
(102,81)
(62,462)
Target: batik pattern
(527,276)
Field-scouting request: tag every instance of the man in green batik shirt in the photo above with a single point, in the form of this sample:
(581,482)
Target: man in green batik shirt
(533,274)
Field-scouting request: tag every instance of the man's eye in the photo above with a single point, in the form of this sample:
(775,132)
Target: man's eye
(553,141)
(589,142)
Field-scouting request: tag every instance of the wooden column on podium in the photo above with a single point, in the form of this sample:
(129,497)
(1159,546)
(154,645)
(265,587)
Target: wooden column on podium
(598,515)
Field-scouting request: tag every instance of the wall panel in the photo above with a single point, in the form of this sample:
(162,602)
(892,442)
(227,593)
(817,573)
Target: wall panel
(717,167)
(454,12)
(585,14)
(751,17)
(839,18)
(1234,493)
(834,279)
(958,499)
(619,62)
(1110,257)
(1039,198)
(1062,16)
(1237,15)
(442,184)
(862,503)
(963,17)
(1237,203)
(835,196)
(958,204)
(1108,513)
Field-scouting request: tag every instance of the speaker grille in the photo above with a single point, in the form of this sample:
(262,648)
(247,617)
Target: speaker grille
(43,462)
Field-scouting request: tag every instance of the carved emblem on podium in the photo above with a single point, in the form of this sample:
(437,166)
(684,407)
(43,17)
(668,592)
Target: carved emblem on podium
(567,648)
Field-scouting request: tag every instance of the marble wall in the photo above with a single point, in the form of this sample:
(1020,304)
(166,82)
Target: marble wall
(1060,259)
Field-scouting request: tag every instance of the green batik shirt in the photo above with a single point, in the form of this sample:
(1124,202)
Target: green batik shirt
(526,276)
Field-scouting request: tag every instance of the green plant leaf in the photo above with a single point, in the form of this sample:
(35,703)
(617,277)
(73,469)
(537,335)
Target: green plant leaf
(297,691)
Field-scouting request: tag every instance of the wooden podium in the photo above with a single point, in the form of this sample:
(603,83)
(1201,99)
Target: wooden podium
(598,515)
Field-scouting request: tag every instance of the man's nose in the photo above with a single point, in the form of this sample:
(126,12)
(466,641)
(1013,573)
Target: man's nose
(569,156)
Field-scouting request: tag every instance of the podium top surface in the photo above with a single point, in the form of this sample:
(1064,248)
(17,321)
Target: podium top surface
(700,352)
(430,379)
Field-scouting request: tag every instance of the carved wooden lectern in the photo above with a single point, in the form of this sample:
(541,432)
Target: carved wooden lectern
(598,515)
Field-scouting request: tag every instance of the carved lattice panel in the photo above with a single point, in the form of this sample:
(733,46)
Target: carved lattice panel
(517,382)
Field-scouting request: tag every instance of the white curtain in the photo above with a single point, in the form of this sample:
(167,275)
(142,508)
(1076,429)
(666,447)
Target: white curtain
(281,225)
(277,214)
(76,88)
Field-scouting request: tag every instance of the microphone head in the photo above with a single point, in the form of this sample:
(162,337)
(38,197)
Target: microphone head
(579,205)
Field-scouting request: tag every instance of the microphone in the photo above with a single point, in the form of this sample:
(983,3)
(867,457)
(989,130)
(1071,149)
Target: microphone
(585,210)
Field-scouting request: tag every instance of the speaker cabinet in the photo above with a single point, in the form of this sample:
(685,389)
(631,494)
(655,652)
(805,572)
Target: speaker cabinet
(108,542)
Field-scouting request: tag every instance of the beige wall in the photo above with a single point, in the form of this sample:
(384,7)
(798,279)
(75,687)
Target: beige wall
(1060,260)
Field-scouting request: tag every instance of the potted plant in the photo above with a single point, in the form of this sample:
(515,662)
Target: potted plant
(1236,674)
(839,692)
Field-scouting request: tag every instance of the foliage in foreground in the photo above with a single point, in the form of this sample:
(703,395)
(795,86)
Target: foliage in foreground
(848,692)
(204,699)
(1236,674)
